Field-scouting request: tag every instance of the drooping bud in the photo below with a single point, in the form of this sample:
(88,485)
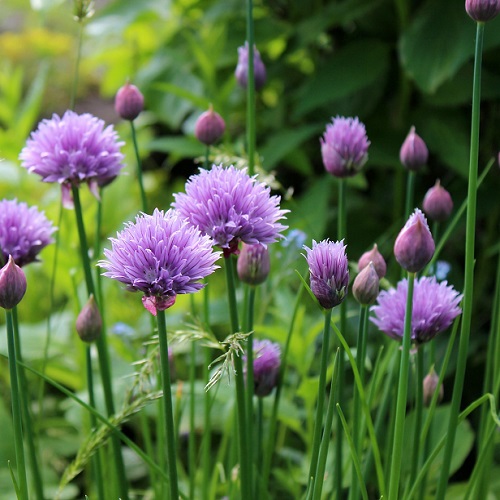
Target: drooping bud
(482,10)
(129,102)
(413,153)
(414,246)
(266,366)
(430,383)
(376,258)
(259,69)
(209,127)
(12,284)
(89,321)
(437,203)
(253,264)
(366,285)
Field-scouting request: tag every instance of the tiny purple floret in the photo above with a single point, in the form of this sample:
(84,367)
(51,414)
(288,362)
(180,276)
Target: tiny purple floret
(161,255)
(435,306)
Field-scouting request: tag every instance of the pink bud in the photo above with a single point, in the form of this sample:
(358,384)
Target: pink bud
(376,258)
(89,321)
(253,264)
(414,152)
(129,102)
(437,203)
(430,383)
(209,127)
(12,284)
(482,10)
(366,285)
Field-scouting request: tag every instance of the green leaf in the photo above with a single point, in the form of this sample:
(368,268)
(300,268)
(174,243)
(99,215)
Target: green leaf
(181,146)
(351,69)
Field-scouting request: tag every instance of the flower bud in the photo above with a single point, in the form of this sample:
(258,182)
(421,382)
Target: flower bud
(209,127)
(129,102)
(12,284)
(414,152)
(437,203)
(366,285)
(266,366)
(414,245)
(482,10)
(430,383)
(89,321)
(376,258)
(259,70)
(253,264)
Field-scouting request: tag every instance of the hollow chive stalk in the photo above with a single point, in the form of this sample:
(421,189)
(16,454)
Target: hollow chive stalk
(469,267)
(102,348)
(144,201)
(397,447)
(250,91)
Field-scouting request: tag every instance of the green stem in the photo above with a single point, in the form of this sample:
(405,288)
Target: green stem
(397,447)
(469,268)
(245,463)
(207,435)
(318,422)
(102,348)
(410,193)
(74,89)
(28,427)
(419,403)
(16,409)
(192,425)
(250,379)
(167,406)
(250,91)
(144,201)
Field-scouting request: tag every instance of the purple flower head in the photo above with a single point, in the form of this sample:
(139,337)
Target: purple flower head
(259,70)
(24,231)
(72,150)
(414,246)
(329,272)
(266,366)
(435,306)
(482,10)
(161,255)
(413,153)
(437,203)
(12,284)
(229,205)
(209,127)
(129,102)
(344,146)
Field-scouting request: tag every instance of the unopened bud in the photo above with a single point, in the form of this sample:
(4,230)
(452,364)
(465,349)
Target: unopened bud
(259,69)
(482,10)
(414,152)
(129,102)
(209,127)
(253,264)
(376,258)
(366,285)
(430,383)
(12,284)
(437,203)
(89,321)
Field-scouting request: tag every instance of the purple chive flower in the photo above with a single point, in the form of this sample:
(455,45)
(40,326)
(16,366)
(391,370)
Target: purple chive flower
(329,272)
(266,366)
(24,231)
(435,306)
(437,203)
(209,127)
(161,255)
(344,146)
(72,150)
(414,246)
(129,102)
(413,153)
(12,284)
(259,70)
(482,10)
(228,205)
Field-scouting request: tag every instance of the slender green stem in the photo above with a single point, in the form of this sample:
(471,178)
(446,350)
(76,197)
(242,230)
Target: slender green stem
(207,435)
(245,463)
(259,432)
(419,403)
(410,193)
(356,411)
(318,421)
(250,380)
(167,406)
(192,424)
(28,424)
(16,408)
(102,347)
(144,201)
(397,447)
(250,91)
(469,268)
(74,89)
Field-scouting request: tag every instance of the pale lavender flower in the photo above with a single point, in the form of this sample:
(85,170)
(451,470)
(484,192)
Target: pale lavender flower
(24,232)
(344,146)
(229,205)
(329,272)
(482,10)
(266,366)
(161,255)
(259,70)
(72,150)
(435,306)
